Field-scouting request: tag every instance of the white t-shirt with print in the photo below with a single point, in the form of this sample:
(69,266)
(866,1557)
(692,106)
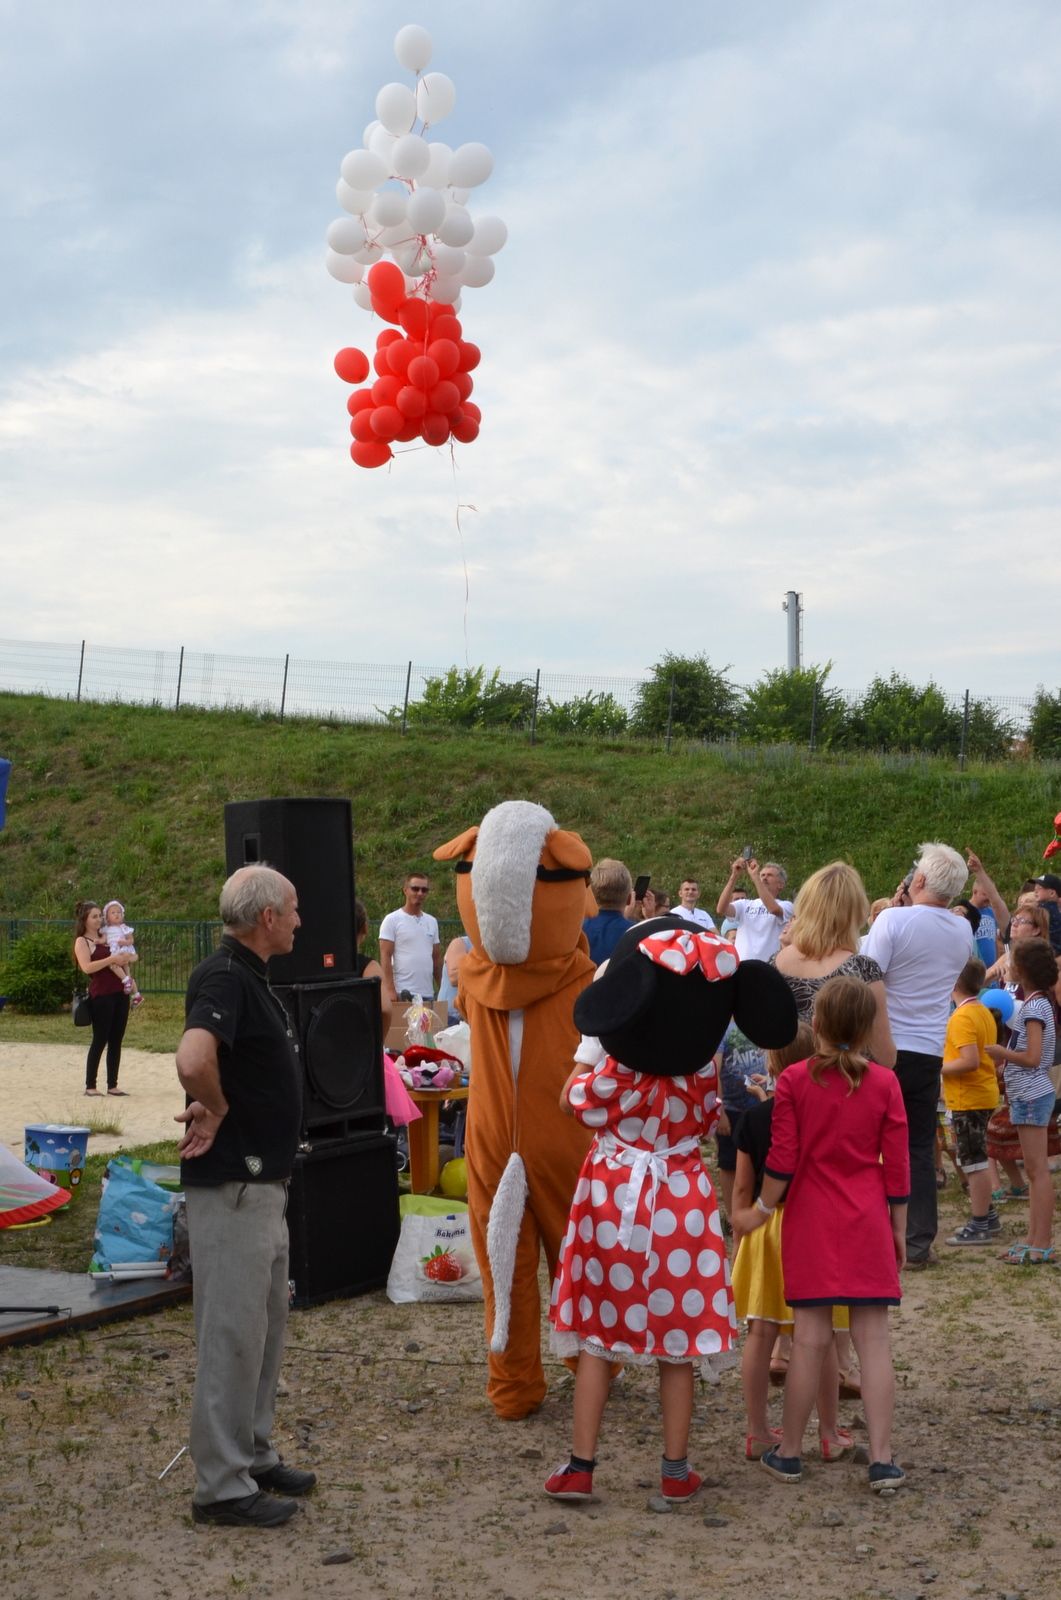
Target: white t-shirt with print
(920,950)
(414,940)
(758,930)
(698,915)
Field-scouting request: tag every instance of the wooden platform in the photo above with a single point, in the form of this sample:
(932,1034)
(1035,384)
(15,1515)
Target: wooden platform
(83,1301)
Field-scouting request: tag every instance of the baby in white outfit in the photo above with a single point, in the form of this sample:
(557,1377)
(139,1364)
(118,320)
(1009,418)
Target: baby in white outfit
(119,936)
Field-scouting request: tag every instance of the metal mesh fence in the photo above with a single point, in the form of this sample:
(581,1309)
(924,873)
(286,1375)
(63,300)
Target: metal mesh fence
(411,695)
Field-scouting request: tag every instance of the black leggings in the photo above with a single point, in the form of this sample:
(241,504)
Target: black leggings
(110,1013)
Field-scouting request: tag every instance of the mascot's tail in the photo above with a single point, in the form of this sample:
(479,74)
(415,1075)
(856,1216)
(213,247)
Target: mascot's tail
(502,1234)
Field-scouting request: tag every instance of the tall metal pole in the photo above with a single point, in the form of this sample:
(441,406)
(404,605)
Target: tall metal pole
(792,605)
(965,734)
(180,675)
(405,703)
(80,671)
(534,708)
(670,713)
(283,690)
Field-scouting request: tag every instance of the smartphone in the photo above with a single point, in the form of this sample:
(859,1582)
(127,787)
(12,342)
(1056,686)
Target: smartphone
(747,852)
(641,885)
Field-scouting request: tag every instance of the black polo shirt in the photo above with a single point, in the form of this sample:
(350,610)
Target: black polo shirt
(261,1075)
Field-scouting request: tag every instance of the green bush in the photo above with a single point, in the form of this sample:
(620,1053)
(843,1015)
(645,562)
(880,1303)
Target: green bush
(782,707)
(39,973)
(464,697)
(586,713)
(705,702)
(1044,729)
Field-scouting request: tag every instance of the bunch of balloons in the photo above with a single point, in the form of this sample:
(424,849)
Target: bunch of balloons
(405,196)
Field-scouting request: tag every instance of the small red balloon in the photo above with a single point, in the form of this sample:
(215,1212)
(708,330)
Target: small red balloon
(470,409)
(386,283)
(435,429)
(464,428)
(444,397)
(410,432)
(445,353)
(385,390)
(464,384)
(361,424)
(413,316)
(399,354)
(352,365)
(387,422)
(359,400)
(423,372)
(471,355)
(376,454)
(411,402)
(384,309)
(446,327)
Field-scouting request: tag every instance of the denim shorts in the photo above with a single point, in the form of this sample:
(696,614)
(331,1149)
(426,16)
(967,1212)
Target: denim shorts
(1032,1113)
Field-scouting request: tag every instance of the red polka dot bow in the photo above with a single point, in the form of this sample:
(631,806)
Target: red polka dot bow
(680,950)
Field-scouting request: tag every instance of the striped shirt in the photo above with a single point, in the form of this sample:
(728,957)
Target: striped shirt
(1032,1083)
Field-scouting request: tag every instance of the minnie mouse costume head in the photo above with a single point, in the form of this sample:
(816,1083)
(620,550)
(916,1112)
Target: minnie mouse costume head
(668,993)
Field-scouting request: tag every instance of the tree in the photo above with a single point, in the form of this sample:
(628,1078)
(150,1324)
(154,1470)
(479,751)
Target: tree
(781,707)
(895,714)
(1044,728)
(705,701)
(464,697)
(586,713)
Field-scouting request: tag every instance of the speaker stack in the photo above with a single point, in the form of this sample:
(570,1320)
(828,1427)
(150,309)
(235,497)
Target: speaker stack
(343,1204)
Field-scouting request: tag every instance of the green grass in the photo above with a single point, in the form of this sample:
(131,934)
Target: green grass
(123,800)
(65,1243)
(157,1025)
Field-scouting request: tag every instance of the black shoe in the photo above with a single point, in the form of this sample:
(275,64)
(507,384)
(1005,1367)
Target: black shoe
(285,1480)
(250,1511)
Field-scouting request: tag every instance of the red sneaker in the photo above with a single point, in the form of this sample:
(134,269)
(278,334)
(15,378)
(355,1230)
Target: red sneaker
(678,1489)
(567,1485)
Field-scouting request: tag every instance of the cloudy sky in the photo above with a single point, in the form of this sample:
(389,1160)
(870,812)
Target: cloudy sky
(779,309)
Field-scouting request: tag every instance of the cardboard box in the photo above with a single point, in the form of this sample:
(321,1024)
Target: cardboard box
(397,1034)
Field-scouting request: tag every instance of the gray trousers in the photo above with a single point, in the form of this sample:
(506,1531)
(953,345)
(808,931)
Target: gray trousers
(239,1242)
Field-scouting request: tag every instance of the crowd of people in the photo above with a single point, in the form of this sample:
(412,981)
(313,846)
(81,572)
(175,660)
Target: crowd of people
(822,1093)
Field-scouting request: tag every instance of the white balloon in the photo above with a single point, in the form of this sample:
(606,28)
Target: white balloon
(449,262)
(446,290)
(478,270)
(343,268)
(489,236)
(459,196)
(356,201)
(396,107)
(363,296)
(426,210)
(370,254)
(388,208)
(437,174)
(400,233)
(383,146)
(421,262)
(370,128)
(412,46)
(363,170)
(411,156)
(456,227)
(346,235)
(472,165)
(436,95)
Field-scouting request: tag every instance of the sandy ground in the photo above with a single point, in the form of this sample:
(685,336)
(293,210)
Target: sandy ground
(423,1494)
(45,1083)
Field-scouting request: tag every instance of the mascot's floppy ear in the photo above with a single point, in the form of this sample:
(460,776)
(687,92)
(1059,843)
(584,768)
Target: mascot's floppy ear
(623,992)
(570,851)
(460,846)
(763,1007)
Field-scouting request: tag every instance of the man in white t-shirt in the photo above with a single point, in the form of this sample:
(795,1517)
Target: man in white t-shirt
(409,949)
(760,921)
(688,895)
(921,948)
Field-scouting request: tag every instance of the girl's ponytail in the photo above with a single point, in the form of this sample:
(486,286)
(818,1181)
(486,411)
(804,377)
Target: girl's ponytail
(845,1010)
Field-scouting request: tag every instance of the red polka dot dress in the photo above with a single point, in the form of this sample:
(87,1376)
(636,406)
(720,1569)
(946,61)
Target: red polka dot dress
(643,1274)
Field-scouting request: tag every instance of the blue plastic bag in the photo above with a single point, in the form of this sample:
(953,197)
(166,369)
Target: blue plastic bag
(135,1221)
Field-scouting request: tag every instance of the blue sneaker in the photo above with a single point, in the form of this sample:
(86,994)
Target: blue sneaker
(885,1475)
(789,1469)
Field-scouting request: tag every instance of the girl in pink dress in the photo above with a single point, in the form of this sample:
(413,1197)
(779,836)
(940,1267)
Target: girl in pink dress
(839,1158)
(643,1275)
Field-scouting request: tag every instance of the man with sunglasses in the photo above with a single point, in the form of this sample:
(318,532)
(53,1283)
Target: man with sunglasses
(410,952)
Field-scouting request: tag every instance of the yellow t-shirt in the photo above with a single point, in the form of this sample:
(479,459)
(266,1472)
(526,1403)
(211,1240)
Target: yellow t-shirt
(970,1023)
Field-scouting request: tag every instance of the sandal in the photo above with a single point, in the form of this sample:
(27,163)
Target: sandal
(96,1092)
(756,1446)
(836,1449)
(1016,1255)
(118,1091)
(1039,1255)
(1000,1196)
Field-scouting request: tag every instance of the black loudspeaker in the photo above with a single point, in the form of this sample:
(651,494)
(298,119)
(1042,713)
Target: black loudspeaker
(339,1028)
(312,843)
(342,1215)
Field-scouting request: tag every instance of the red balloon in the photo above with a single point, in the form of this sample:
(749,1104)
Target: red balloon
(445,353)
(399,355)
(381,362)
(464,384)
(385,390)
(359,400)
(384,309)
(446,327)
(444,397)
(413,316)
(470,409)
(411,402)
(361,424)
(423,372)
(387,422)
(388,336)
(464,428)
(435,429)
(386,283)
(352,365)
(471,356)
(410,432)
(376,454)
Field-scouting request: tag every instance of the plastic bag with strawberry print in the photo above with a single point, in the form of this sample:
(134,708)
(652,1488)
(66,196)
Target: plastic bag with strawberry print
(434,1260)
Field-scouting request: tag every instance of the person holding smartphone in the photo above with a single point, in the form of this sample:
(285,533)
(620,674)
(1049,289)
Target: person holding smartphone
(760,921)
(613,889)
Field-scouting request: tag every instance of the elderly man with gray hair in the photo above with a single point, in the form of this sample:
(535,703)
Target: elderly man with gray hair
(238,1065)
(921,948)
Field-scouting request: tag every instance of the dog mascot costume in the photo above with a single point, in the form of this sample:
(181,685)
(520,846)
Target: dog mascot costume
(522,892)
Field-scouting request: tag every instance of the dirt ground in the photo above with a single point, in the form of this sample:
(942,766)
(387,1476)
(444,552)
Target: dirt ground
(423,1494)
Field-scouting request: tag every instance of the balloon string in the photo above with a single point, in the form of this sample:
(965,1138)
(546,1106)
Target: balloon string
(464,558)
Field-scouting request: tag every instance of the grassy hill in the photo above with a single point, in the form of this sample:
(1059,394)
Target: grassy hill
(121,800)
